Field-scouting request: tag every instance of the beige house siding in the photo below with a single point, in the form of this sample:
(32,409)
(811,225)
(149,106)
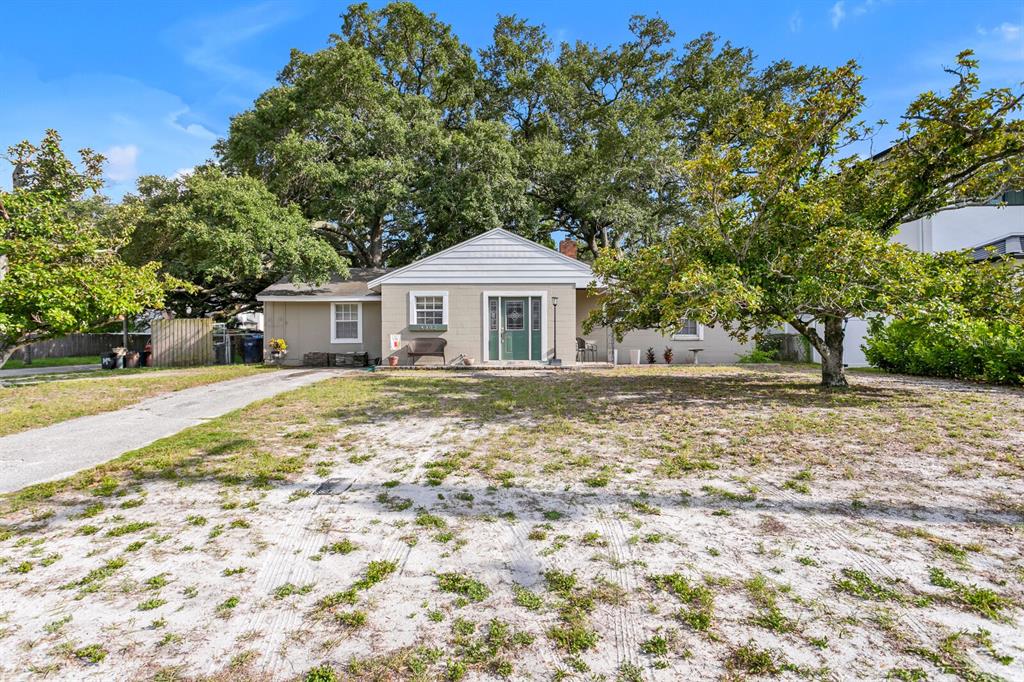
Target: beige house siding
(718,347)
(465,333)
(306,327)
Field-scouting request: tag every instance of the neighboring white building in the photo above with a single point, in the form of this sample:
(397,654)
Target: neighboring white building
(952,230)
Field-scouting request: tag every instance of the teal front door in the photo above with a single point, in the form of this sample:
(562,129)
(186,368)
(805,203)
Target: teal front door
(515,330)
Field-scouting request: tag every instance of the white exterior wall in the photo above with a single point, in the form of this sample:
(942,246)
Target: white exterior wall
(945,231)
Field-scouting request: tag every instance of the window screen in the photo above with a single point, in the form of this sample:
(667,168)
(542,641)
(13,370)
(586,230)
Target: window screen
(346,321)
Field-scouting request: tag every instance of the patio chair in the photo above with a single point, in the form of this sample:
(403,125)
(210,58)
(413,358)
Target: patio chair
(585,348)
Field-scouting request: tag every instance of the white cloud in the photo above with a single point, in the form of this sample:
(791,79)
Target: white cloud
(796,22)
(193,129)
(837,13)
(1007,31)
(121,162)
(183,173)
(209,44)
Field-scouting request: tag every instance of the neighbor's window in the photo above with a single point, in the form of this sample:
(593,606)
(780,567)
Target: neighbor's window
(428,308)
(347,323)
(689,330)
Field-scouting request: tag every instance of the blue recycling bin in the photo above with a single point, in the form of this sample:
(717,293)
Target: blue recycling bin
(252,348)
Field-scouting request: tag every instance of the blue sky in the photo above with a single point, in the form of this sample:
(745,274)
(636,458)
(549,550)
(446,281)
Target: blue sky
(153,85)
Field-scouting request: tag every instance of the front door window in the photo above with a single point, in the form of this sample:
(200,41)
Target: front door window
(515,334)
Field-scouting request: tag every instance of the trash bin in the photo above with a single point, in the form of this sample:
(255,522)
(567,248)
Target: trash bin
(131,358)
(108,361)
(634,357)
(252,348)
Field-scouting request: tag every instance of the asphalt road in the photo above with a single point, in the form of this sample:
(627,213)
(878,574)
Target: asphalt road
(57,451)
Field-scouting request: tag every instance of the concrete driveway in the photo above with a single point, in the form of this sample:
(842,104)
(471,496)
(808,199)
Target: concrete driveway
(60,450)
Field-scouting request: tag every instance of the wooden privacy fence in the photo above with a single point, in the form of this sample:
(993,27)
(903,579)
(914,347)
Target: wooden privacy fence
(182,342)
(79,344)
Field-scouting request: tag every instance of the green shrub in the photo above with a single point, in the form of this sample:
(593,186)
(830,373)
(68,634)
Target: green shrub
(964,348)
(758,355)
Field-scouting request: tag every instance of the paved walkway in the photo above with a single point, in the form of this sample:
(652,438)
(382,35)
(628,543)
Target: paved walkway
(55,369)
(62,449)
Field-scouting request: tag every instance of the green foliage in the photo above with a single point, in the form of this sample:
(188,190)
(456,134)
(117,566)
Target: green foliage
(757,355)
(60,272)
(463,585)
(376,138)
(971,348)
(781,226)
(227,236)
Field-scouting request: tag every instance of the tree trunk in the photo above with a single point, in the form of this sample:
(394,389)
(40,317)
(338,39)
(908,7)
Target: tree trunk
(830,348)
(5,354)
(833,375)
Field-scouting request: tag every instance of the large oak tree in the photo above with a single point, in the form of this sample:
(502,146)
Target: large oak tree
(785,226)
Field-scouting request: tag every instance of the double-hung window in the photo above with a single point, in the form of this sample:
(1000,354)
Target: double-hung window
(428,309)
(346,323)
(689,330)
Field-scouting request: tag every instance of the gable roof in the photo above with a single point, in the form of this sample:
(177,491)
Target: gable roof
(494,257)
(354,286)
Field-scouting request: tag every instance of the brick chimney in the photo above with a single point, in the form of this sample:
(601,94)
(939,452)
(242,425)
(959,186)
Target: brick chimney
(567,247)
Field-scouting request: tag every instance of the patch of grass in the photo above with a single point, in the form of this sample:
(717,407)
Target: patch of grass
(677,465)
(655,646)
(427,520)
(97,574)
(299,494)
(195,520)
(344,598)
(723,494)
(225,608)
(981,600)
(351,619)
(527,599)
(859,584)
(133,527)
(345,546)
(151,604)
(238,570)
(376,571)
(92,653)
(55,626)
(765,596)
(288,589)
(42,404)
(699,600)
(752,659)
(573,638)
(463,585)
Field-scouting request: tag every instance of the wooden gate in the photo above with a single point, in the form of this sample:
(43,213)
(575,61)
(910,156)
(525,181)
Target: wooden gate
(182,342)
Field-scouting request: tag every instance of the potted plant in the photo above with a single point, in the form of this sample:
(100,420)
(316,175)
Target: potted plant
(651,357)
(278,350)
(392,361)
(468,361)
(668,354)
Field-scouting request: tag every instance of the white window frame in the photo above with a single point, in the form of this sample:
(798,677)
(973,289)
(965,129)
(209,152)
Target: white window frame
(359,322)
(413,295)
(699,336)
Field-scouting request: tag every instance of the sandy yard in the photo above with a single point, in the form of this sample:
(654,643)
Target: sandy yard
(635,524)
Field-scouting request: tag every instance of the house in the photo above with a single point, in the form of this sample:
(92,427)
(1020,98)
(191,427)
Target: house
(496,298)
(999,225)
